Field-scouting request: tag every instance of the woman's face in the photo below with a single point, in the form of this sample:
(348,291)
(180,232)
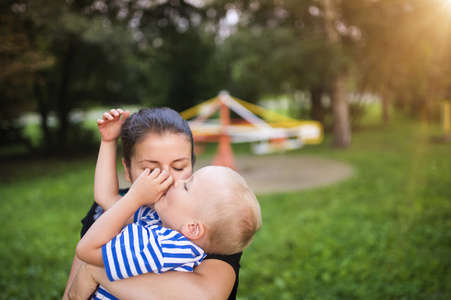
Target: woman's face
(170,152)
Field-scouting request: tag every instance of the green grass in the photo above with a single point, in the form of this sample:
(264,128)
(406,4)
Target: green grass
(40,216)
(385,233)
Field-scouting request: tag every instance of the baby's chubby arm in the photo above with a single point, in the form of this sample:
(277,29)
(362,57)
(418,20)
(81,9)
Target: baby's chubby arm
(147,189)
(106,187)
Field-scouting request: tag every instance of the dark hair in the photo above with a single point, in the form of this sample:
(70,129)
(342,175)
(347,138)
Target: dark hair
(159,121)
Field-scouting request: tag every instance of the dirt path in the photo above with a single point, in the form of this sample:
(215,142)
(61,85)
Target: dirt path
(281,173)
(266,174)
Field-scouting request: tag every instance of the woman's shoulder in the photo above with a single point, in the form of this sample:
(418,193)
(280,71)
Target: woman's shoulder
(233,260)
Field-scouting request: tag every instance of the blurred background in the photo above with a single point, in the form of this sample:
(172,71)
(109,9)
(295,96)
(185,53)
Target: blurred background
(375,73)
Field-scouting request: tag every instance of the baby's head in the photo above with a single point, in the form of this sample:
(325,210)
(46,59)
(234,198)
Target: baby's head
(214,208)
(232,212)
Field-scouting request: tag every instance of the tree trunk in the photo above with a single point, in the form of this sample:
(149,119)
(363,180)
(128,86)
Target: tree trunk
(385,113)
(340,109)
(317,111)
(385,101)
(340,113)
(63,104)
(43,112)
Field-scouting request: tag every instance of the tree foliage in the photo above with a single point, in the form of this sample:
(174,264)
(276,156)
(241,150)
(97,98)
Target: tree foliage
(60,55)
(78,53)
(71,64)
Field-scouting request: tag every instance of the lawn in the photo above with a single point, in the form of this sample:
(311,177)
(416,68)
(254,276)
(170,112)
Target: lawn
(385,233)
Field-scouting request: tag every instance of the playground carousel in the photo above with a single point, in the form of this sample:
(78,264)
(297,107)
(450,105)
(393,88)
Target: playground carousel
(266,130)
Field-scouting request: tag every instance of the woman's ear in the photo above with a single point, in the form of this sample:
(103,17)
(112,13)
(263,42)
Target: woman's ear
(127,171)
(193,231)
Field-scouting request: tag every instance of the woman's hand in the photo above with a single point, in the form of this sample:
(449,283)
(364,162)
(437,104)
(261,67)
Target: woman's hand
(83,285)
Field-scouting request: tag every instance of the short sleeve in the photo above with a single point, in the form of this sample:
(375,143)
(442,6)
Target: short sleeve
(133,252)
(138,250)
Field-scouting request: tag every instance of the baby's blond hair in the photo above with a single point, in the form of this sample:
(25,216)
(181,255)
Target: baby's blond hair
(232,215)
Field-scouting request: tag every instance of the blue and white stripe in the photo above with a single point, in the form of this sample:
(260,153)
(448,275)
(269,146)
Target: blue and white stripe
(138,250)
(103,294)
(146,216)
(145,247)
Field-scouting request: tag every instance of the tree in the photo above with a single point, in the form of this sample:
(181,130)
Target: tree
(76,53)
(179,54)
(403,50)
(63,61)
(19,60)
(340,109)
(294,45)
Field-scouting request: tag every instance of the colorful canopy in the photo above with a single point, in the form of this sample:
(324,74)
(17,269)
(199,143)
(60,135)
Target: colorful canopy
(267,130)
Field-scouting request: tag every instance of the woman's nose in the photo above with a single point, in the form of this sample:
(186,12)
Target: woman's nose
(178,182)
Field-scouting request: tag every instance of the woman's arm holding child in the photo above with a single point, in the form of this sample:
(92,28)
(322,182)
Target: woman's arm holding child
(212,279)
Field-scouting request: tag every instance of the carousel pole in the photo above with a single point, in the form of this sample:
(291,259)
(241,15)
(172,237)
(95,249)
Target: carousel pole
(224,154)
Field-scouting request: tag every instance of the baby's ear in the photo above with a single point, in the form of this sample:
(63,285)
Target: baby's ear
(127,171)
(193,231)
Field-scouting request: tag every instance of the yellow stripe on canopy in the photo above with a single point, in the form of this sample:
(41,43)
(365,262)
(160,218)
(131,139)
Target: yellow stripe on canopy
(194,111)
(267,114)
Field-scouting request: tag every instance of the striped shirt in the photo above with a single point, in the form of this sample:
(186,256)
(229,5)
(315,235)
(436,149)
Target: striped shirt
(145,246)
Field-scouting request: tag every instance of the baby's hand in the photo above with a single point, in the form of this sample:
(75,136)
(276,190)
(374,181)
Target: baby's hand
(110,124)
(150,186)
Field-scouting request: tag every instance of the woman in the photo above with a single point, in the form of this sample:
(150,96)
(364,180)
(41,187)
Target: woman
(152,138)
